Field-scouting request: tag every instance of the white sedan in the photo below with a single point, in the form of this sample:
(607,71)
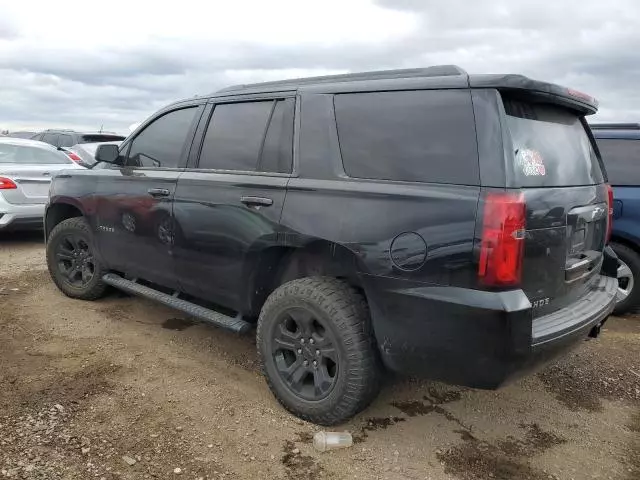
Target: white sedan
(26,170)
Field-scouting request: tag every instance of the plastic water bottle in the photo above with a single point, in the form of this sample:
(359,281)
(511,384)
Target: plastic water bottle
(323,441)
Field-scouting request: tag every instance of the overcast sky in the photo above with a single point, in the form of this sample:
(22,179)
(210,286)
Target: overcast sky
(82,64)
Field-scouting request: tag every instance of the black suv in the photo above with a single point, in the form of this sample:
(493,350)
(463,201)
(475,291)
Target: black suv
(426,220)
(69,138)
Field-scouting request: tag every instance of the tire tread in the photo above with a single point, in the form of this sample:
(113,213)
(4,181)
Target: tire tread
(632,259)
(98,288)
(349,311)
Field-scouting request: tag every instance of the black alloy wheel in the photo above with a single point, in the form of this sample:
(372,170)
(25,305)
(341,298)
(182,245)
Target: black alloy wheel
(317,349)
(72,261)
(75,260)
(305,354)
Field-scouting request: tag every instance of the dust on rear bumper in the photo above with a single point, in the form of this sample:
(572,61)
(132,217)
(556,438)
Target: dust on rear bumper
(585,313)
(477,339)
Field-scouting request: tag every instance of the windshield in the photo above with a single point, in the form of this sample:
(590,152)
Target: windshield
(29,155)
(551,146)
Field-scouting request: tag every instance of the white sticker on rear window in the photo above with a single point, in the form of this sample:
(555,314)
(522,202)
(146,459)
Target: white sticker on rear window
(531,163)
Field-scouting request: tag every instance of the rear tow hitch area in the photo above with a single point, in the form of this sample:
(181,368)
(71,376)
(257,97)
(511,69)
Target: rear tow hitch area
(595,331)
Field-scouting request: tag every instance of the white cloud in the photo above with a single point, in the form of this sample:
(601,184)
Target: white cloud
(81,64)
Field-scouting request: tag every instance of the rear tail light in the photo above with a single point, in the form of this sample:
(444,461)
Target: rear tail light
(610,212)
(7,184)
(73,156)
(502,243)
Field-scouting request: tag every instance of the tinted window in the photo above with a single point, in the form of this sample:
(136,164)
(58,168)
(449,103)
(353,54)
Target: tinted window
(65,140)
(277,152)
(51,138)
(31,155)
(234,136)
(621,159)
(162,142)
(551,146)
(100,137)
(424,136)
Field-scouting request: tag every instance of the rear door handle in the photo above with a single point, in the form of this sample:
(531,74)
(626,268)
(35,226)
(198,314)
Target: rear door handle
(159,192)
(256,201)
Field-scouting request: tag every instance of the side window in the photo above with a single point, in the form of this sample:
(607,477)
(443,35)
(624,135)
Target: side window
(234,136)
(65,140)
(51,138)
(161,143)
(277,152)
(621,159)
(414,136)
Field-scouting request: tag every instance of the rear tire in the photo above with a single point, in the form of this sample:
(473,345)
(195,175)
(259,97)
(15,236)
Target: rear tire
(72,261)
(628,276)
(317,350)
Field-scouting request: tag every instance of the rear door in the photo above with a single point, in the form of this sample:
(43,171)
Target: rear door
(552,160)
(31,168)
(228,203)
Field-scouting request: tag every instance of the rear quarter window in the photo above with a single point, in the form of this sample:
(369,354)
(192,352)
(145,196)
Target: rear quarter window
(412,136)
(551,147)
(621,158)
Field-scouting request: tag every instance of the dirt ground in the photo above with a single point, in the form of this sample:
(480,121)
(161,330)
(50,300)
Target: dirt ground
(126,389)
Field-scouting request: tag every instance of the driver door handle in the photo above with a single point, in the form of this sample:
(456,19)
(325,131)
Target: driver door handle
(256,201)
(159,192)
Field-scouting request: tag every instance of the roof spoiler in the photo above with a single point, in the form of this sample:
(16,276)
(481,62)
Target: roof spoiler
(615,126)
(535,89)
(433,71)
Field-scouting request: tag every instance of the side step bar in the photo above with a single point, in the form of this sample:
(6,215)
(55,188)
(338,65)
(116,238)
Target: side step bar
(237,324)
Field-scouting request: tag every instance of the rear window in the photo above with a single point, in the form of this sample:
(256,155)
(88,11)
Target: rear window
(31,155)
(65,140)
(100,137)
(412,136)
(621,159)
(551,146)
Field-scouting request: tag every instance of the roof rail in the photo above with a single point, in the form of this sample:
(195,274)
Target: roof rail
(615,126)
(433,71)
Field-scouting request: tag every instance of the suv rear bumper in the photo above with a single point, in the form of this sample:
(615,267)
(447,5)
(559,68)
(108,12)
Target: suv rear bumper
(474,338)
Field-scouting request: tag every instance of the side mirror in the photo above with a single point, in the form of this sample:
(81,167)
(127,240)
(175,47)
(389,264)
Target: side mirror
(107,153)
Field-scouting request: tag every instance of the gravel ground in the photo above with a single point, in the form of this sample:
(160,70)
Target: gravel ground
(126,389)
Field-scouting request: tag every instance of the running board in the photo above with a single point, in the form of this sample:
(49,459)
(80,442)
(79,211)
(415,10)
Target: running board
(237,324)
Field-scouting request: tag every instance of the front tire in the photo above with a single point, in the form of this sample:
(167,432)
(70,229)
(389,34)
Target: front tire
(317,349)
(72,260)
(628,296)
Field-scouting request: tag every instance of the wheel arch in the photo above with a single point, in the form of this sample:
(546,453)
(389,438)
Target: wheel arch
(626,241)
(280,264)
(58,212)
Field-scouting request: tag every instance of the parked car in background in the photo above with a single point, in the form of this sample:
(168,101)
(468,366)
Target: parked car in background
(22,134)
(68,138)
(434,222)
(26,170)
(619,145)
(84,153)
